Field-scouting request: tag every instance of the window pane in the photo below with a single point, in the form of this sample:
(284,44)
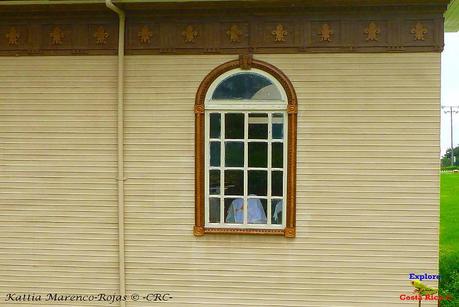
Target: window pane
(214,153)
(269,92)
(214,210)
(276,183)
(214,182)
(234,126)
(234,210)
(246,86)
(277,155)
(258,154)
(278,126)
(276,210)
(234,154)
(256,212)
(258,126)
(234,182)
(215,125)
(258,182)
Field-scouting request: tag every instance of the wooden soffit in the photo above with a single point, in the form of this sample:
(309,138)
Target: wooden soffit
(225,27)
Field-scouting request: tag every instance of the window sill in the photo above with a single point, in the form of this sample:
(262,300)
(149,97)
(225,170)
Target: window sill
(286,232)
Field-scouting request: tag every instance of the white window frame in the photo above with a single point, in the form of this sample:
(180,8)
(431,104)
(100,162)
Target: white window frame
(245,107)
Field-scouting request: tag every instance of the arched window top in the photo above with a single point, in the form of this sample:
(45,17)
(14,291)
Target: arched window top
(240,86)
(246,86)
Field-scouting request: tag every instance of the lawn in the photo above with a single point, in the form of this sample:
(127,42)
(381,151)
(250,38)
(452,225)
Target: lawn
(449,238)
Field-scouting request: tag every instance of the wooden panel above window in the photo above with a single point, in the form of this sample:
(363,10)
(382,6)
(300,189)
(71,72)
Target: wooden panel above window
(232,30)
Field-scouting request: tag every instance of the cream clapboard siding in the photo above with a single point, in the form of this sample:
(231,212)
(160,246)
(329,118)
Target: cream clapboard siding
(367,182)
(368,185)
(58,209)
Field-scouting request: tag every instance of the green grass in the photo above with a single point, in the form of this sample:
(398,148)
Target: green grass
(449,238)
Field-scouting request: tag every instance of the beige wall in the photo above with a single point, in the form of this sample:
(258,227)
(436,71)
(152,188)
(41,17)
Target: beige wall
(58,214)
(367,211)
(367,185)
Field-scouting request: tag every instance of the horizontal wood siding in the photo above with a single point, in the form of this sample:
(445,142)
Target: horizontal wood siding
(368,185)
(58,209)
(368,182)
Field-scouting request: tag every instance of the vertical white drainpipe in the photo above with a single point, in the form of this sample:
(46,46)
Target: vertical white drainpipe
(120,135)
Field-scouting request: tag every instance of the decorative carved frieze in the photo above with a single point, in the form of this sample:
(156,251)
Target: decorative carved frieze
(12,36)
(372,32)
(234,34)
(145,35)
(279,33)
(237,32)
(189,34)
(419,31)
(101,35)
(56,35)
(326,33)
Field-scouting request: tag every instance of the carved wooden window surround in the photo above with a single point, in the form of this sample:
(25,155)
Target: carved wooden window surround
(245,62)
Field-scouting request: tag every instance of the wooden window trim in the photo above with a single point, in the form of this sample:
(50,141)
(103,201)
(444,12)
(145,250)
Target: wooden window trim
(245,62)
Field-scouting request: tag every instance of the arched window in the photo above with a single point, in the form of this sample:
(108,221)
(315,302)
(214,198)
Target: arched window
(245,151)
